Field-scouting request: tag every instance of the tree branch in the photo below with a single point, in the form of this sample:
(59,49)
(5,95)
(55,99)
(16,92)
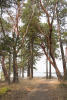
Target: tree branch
(44,9)
(42,46)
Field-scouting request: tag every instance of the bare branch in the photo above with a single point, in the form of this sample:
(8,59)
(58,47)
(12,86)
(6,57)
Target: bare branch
(26,31)
(44,9)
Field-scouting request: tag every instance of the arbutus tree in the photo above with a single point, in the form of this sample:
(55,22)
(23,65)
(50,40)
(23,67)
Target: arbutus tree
(50,24)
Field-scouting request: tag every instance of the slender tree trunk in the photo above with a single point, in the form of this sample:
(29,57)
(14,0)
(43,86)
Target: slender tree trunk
(65,75)
(31,58)
(28,70)
(15,70)
(22,72)
(9,67)
(61,45)
(47,66)
(63,57)
(4,69)
(50,47)
(49,70)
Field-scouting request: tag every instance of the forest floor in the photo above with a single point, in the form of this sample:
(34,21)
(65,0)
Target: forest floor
(36,89)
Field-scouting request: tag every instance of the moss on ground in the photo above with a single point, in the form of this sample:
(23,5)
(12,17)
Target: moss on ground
(4,90)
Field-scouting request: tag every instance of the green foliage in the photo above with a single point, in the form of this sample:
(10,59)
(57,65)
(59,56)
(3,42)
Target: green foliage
(8,3)
(5,43)
(5,3)
(6,25)
(28,9)
(65,34)
(32,34)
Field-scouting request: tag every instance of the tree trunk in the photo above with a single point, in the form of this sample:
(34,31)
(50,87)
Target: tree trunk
(51,53)
(61,45)
(22,72)
(53,63)
(46,68)
(63,57)
(31,58)
(65,75)
(4,69)
(49,70)
(56,68)
(50,47)
(9,67)
(28,70)
(15,70)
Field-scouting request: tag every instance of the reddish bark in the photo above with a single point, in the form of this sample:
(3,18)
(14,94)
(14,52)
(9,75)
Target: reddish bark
(53,62)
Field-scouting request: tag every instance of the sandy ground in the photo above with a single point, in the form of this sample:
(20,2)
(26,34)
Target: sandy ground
(36,89)
(48,90)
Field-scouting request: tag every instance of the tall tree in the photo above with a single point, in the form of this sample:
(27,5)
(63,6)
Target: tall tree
(58,13)
(32,32)
(50,19)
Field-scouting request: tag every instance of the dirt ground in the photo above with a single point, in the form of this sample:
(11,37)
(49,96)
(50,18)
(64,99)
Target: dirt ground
(36,89)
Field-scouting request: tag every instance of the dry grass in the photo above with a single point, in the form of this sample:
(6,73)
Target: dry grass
(28,84)
(25,86)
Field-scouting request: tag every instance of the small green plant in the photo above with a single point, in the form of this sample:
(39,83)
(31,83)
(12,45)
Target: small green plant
(4,90)
(62,85)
